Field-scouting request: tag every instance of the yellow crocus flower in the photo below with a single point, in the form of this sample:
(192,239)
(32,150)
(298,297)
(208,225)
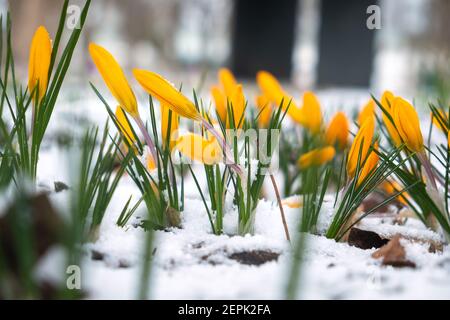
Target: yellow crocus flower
(227,81)
(392,187)
(151,165)
(370,165)
(387,101)
(272,89)
(316,157)
(220,101)
(166,93)
(39,63)
(338,130)
(310,115)
(114,78)
(125,127)
(264,110)
(166,119)
(366,112)
(362,142)
(435,120)
(448,138)
(293,202)
(237,101)
(117,83)
(408,125)
(196,147)
(229,93)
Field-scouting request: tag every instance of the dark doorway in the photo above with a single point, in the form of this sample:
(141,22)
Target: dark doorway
(263,37)
(346,44)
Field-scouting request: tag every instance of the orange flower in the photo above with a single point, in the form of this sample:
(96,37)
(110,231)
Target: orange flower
(361,145)
(114,78)
(150,163)
(392,187)
(369,166)
(272,89)
(39,63)
(408,125)
(220,101)
(125,127)
(310,115)
(265,110)
(367,112)
(196,147)
(436,121)
(337,132)
(387,101)
(316,157)
(166,93)
(237,101)
(229,94)
(168,118)
(227,81)
(293,202)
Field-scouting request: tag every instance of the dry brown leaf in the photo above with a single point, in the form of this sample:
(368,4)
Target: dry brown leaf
(393,254)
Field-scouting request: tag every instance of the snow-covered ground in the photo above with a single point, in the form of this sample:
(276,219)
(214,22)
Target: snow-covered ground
(191,263)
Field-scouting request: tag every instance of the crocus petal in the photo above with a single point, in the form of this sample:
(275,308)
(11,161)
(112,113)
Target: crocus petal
(435,120)
(149,162)
(370,165)
(237,101)
(366,112)
(39,62)
(228,81)
(125,128)
(316,157)
(392,187)
(387,101)
(448,139)
(408,125)
(220,101)
(272,89)
(197,148)
(114,78)
(362,142)
(293,202)
(166,119)
(265,110)
(338,130)
(166,93)
(311,113)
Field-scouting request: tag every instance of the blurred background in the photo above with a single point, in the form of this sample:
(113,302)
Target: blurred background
(309,44)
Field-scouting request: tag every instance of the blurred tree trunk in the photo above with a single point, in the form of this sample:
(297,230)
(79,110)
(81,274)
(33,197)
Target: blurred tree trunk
(26,16)
(436,35)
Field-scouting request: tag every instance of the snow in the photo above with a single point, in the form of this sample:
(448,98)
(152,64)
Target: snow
(192,263)
(412,229)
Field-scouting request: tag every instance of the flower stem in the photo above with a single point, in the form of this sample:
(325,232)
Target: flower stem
(148,139)
(428,171)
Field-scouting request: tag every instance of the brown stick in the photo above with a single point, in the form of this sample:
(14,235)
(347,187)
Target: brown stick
(283,217)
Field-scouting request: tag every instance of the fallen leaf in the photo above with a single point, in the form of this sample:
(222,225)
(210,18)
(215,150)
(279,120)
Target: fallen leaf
(393,254)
